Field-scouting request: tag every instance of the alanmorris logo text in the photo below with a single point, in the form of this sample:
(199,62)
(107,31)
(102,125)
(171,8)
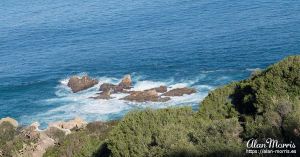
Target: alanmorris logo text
(269,146)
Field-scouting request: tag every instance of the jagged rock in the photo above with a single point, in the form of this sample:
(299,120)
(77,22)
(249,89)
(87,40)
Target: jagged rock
(78,84)
(76,123)
(126,82)
(12,121)
(180,91)
(160,89)
(143,96)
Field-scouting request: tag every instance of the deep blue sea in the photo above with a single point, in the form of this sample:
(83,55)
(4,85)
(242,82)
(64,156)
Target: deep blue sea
(199,43)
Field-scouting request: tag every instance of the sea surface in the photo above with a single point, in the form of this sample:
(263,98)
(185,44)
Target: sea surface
(197,43)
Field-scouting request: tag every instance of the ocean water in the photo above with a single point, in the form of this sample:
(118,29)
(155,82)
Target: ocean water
(198,43)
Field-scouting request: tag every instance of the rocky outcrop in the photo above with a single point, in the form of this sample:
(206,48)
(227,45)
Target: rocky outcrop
(143,96)
(12,121)
(160,89)
(78,84)
(76,123)
(180,91)
(157,94)
(126,82)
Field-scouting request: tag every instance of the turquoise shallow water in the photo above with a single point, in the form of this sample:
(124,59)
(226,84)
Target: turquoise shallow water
(203,44)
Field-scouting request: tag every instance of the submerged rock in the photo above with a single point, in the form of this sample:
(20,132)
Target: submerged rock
(180,91)
(12,121)
(78,84)
(143,96)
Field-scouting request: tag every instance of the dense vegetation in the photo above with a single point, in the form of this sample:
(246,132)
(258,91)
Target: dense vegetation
(265,105)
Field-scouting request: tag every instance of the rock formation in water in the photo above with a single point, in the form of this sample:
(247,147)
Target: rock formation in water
(157,94)
(78,84)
